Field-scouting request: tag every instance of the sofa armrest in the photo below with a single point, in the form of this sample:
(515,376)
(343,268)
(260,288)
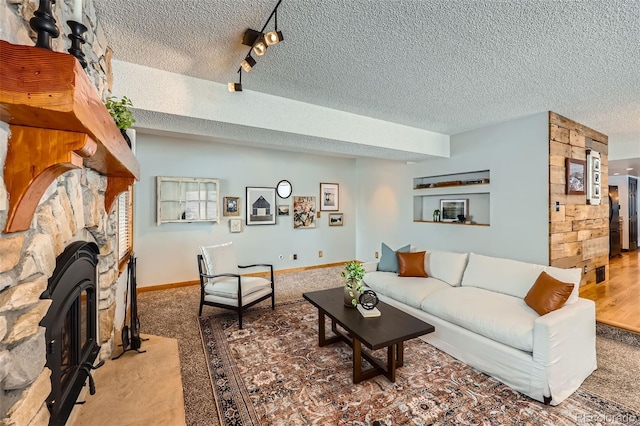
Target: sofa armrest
(370,266)
(564,345)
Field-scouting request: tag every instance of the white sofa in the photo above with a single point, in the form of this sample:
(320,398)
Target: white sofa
(476,305)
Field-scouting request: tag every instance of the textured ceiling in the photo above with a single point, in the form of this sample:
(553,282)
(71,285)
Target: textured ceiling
(444,66)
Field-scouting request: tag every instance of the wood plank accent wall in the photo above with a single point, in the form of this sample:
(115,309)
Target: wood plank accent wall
(578,232)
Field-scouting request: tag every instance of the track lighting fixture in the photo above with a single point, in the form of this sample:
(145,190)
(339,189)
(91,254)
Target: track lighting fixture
(259,42)
(248,63)
(260,47)
(273,37)
(236,87)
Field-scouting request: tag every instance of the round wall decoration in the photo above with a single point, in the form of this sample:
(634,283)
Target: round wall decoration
(284,189)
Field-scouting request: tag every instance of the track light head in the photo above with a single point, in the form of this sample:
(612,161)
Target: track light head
(248,63)
(273,37)
(260,47)
(235,87)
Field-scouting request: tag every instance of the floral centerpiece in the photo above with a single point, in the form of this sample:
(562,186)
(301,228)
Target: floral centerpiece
(353,273)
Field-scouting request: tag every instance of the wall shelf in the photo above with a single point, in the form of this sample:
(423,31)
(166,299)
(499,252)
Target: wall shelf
(475,187)
(57,123)
(452,223)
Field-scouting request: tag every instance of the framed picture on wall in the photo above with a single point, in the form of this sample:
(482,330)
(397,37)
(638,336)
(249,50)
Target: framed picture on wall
(329,197)
(235,225)
(576,170)
(454,210)
(261,206)
(336,219)
(231,206)
(283,210)
(304,212)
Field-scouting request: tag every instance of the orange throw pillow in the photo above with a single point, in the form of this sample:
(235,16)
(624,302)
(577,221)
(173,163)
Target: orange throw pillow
(548,294)
(411,264)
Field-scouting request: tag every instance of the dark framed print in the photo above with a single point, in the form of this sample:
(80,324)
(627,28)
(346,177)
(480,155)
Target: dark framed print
(261,206)
(231,206)
(329,197)
(576,170)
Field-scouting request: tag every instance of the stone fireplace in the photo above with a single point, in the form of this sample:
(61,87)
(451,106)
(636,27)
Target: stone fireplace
(46,339)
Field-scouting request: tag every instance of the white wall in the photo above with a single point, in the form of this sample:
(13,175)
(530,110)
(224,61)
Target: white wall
(515,152)
(167,253)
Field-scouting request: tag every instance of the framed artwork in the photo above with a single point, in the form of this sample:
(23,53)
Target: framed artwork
(231,206)
(283,210)
(336,219)
(235,225)
(261,206)
(304,212)
(576,171)
(454,210)
(593,177)
(329,197)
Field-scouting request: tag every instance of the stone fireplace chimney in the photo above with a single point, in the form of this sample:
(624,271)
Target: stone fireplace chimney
(72,208)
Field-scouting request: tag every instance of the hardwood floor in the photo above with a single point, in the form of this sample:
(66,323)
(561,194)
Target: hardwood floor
(618,299)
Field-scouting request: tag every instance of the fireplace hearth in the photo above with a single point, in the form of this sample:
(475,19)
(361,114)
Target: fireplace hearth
(71,327)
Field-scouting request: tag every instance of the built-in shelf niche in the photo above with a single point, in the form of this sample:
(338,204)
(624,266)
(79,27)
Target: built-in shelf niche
(472,186)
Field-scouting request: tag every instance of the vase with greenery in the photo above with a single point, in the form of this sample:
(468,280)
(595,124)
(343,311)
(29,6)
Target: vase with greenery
(353,273)
(121,113)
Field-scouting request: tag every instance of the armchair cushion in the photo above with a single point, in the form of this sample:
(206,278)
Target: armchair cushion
(228,287)
(220,259)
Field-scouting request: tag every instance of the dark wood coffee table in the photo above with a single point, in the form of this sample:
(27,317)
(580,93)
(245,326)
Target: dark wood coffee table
(390,330)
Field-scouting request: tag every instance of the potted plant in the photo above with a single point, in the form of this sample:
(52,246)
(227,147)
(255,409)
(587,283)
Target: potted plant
(121,114)
(353,273)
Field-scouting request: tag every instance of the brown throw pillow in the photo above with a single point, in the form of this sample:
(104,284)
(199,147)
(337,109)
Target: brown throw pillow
(547,294)
(411,264)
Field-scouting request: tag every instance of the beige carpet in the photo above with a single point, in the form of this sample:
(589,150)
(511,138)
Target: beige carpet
(173,313)
(136,389)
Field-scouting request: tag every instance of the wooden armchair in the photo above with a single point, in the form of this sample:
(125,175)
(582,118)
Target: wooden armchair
(221,284)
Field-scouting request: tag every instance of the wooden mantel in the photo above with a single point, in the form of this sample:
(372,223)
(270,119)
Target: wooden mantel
(57,123)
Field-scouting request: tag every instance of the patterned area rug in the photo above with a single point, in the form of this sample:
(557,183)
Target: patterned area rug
(273,372)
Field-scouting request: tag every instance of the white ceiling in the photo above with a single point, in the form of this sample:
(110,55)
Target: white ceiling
(444,66)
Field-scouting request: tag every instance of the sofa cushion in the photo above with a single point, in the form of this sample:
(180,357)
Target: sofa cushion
(220,259)
(513,277)
(411,264)
(446,266)
(228,287)
(388,258)
(570,276)
(408,290)
(499,317)
(548,294)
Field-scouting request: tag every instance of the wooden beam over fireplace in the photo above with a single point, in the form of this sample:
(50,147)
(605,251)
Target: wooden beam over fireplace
(49,92)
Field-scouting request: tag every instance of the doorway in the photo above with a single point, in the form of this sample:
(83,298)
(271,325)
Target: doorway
(633,213)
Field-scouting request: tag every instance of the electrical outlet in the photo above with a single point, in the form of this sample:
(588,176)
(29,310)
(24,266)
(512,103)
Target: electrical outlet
(320,253)
(585,269)
(280,257)
(377,255)
(295,257)
(291,257)
(319,214)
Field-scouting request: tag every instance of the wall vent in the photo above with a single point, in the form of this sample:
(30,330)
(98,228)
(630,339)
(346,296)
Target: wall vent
(600,274)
